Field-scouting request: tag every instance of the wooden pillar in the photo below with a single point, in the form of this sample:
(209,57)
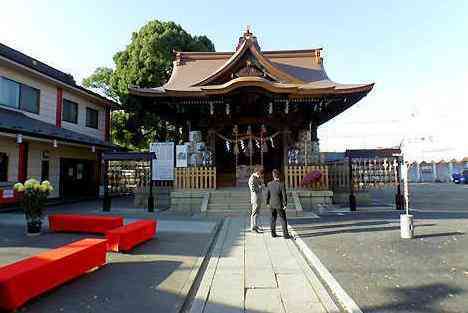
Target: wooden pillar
(106,201)
(99,171)
(22,162)
(212,144)
(58,109)
(285,134)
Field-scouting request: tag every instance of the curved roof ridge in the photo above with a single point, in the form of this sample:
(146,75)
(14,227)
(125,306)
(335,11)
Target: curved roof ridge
(250,45)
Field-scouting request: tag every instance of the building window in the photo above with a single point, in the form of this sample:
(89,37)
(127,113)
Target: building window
(19,96)
(70,111)
(92,118)
(3,167)
(29,99)
(9,92)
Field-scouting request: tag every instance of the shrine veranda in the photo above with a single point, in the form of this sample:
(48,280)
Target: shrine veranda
(247,108)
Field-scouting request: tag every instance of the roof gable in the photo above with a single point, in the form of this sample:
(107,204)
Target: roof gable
(298,72)
(247,61)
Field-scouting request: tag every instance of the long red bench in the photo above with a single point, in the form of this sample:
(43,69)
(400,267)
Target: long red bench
(84,223)
(28,278)
(126,237)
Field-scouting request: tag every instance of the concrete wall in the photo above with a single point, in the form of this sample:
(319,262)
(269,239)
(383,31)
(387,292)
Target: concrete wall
(48,94)
(36,151)
(81,126)
(48,103)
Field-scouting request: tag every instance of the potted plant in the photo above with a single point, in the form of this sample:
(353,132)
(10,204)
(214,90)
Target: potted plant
(34,196)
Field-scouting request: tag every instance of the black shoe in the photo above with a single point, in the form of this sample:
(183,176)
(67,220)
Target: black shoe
(287,236)
(273,235)
(255,229)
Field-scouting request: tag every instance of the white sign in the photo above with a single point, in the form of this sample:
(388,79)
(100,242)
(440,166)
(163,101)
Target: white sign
(181,156)
(8,193)
(163,166)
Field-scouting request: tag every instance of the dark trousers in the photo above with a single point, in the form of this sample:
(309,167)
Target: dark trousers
(274,215)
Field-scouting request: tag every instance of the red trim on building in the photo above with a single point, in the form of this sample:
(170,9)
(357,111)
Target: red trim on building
(107,127)
(58,114)
(22,162)
(98,171)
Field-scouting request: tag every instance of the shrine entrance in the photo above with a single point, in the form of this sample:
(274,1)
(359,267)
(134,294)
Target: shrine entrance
(249,137)
(238,155)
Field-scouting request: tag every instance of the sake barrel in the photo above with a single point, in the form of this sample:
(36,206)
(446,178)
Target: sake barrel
(195,136)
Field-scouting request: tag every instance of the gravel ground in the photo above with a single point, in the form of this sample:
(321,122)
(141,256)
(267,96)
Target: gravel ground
(384,273)
(427,196)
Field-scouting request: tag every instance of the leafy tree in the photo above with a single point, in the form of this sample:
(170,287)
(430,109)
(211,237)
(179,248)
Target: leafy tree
(101,81)
(145,62)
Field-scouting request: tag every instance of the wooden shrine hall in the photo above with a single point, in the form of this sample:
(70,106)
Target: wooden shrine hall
(250,107)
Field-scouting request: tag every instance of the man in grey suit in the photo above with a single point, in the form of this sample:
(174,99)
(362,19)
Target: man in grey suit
(277,201)
(255,186)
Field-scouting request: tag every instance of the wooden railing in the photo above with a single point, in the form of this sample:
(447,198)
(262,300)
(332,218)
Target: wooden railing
(295,174)
(195,178)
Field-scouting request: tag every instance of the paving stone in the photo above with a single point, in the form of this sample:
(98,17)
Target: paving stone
(227,294)
(264,301)
(297,294)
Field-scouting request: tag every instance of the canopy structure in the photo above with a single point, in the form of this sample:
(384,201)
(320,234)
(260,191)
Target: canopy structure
(253,94)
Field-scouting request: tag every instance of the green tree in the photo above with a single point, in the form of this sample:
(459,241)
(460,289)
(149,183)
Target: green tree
(145,62)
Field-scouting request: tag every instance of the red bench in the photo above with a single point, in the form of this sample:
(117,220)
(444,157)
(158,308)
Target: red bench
(28,278)
(84,223)
(126,237)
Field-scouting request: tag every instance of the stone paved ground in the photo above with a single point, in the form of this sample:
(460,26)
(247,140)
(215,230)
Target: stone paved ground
(383,273)
(256,273)
(151,278)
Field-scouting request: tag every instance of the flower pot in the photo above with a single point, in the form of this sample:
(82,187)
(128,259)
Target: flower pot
(34,228)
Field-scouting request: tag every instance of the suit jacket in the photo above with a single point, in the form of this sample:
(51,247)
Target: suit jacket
(255,186)
(276,195)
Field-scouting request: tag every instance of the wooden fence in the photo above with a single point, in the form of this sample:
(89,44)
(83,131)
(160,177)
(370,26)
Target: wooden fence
(338,175)
(294,175)
(195,178)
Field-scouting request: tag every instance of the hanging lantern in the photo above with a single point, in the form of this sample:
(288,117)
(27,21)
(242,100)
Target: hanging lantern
(270,108)
(228,109)
(286,107)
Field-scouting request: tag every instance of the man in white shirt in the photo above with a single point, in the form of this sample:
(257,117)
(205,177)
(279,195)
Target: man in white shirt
(256,188)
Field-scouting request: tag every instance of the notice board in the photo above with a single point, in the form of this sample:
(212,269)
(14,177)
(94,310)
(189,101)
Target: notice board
(163,166)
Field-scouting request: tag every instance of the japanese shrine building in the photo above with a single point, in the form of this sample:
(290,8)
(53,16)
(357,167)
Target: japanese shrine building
(252,107)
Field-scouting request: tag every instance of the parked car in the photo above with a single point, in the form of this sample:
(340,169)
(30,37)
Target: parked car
(460,178)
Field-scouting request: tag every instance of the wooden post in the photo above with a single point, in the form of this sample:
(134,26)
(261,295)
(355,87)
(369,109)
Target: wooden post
(285,146)
(150,197)
(352,197)
(106,201)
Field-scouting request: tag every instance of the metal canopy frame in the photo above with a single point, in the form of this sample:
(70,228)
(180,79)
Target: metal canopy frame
(126,156)
(371,154)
